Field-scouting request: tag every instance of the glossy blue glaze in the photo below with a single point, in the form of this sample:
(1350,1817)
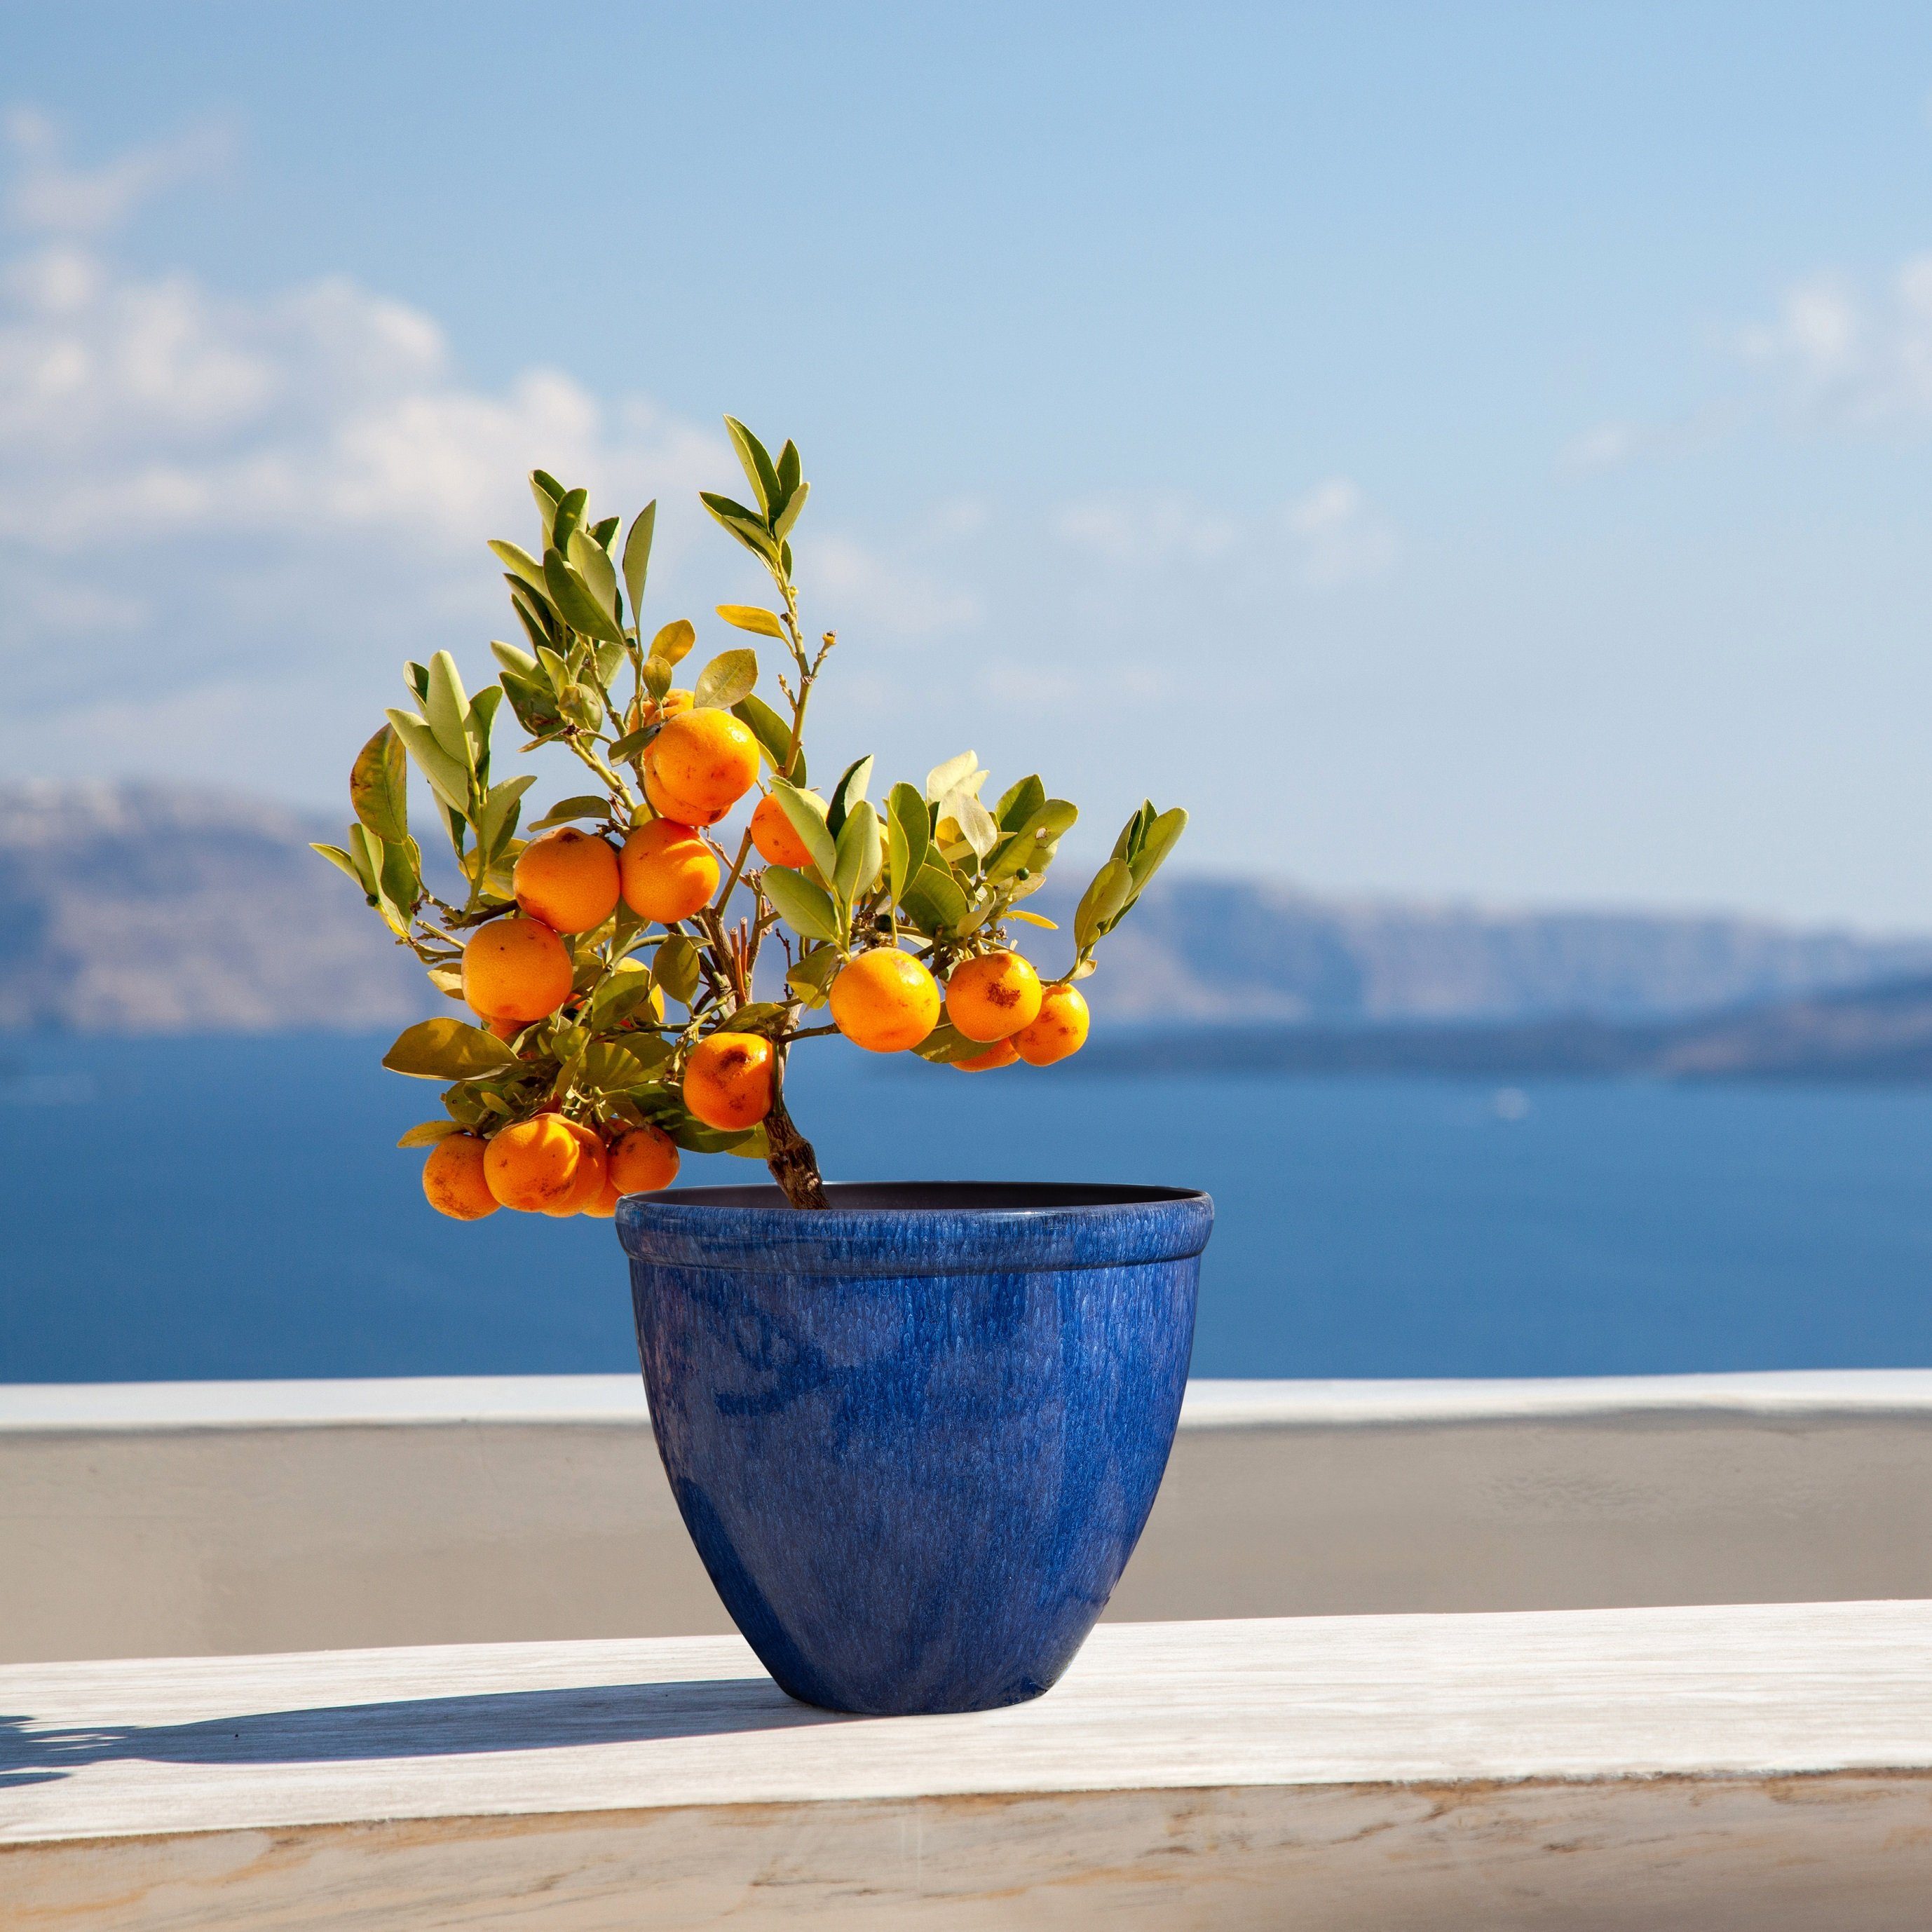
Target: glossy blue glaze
(916,1437)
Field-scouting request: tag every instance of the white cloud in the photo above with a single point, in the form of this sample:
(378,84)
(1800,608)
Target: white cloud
(1341,538)
(1328,536)
(50,196)
(1833,355)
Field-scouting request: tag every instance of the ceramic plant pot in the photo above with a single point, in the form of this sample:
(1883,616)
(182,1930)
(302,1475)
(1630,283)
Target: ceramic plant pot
(915,1437)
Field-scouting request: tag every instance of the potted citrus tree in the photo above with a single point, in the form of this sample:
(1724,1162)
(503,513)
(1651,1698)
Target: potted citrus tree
(914,1429)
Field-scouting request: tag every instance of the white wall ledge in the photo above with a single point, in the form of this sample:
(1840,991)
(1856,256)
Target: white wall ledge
(605,1400)
(1759,1767)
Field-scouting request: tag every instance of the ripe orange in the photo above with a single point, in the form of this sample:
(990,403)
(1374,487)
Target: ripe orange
(1059,1032)
(532,1165)
(885,1001)
(993,996)
(772,833)
(515,969)
(1001,1053)
(727,1080)
(453,1178)
(568,879)
(704,758)
(666,804)
(605,1205)
(644,1160)
(668,871)
(593,1170)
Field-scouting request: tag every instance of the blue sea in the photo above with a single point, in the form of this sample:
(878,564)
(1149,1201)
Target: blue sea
(235,1207)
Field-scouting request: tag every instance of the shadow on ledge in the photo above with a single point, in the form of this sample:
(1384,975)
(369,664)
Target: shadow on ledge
(421,1727)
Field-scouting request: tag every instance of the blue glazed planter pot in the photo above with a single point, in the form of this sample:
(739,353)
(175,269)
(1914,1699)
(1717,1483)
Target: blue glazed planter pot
(916,1437)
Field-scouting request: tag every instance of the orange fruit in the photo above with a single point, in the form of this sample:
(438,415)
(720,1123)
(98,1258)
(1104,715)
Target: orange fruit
(652,712)
(706,758)
(668,871)
(885,1001)
(515,969)
(1001,1053)
(773,834)
(593,1170)
(568,879)
(532,1165)
(666,804)
(645,1159)
(993,996)
(1060,1031)
(727,1080)
(605,1205)
(453,1178)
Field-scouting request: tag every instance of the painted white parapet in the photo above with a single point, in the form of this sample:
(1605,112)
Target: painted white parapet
(184,1518)
(1752,1768)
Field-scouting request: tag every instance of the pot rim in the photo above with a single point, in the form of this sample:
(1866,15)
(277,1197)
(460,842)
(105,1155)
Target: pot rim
(917,1228)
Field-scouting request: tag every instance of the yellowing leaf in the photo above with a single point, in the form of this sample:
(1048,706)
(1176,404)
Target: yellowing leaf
(1034,919)
(749,617)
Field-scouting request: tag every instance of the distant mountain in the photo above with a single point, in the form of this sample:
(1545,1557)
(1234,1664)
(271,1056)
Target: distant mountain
(1866,1034)
(1202,950)
(149,908)
(154,909)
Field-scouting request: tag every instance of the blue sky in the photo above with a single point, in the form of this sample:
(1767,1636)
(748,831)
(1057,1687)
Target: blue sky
(1480,451)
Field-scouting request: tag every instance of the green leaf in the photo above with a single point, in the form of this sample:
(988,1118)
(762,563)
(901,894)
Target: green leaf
(934,901)
(511,659)
(378,785)
(586,805)
(808,820)
(774,736)
(945,1044)
(750,617)
(943,778)
(540,624)
(572,596)
(499,817)
(1159,839)
(1018,802)
(592,562)
(427,1133)
(658,675)
(806,908)
(790,469)
(446,710)
(483,709)
(569,514)
(449,779)
(726,680)
(518,561)
(675,969)
(341,861)
(638,558)
(1133,832)
(548,493)
(756,464)
(1032,845)
(745,525)
(848,792)
(447,1049)
(974,821)
(674,642)
(859,856)
(811,978)
(1101,901)
(621,995)
(755,1016)
(402,875)
(782,524)
(909,836)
